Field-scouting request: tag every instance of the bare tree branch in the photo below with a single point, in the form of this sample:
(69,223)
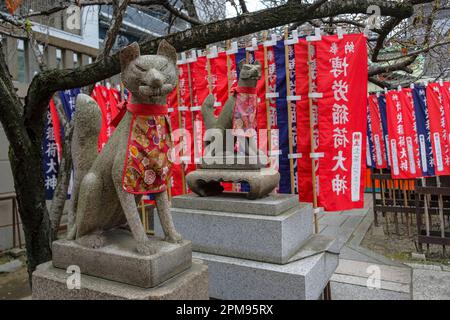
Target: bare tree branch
(114,29)
(46,83)
(392,67)
(243,6)
(415,53)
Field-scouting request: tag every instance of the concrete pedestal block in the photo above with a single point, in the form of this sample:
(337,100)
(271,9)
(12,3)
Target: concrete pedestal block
(265,238)
(240,279)
(119,261)
(50,283)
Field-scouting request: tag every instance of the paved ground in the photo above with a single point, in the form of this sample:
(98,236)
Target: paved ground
(363,274)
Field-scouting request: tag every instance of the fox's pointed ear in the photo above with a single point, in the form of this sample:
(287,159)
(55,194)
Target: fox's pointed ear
(241,64)
(165,49)
(129,54)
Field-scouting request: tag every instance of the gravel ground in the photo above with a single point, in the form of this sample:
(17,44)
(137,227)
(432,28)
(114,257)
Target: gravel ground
(400,246)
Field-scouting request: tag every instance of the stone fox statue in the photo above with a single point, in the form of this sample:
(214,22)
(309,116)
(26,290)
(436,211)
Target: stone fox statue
(134,161)
(239,112)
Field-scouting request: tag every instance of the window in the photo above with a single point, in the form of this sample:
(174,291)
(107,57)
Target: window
(59,64)
(21,62)
(76,62)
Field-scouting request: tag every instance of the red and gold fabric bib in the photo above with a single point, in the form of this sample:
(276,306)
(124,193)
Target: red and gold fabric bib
(244,112)
(147,163)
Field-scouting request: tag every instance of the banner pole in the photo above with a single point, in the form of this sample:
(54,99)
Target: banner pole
(191,100)
(441,213)
(289,110)
(180,124)
(229,84)
(266,84)
(311,130)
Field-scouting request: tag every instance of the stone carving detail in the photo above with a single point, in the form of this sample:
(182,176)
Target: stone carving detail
(99,201)
(234,124)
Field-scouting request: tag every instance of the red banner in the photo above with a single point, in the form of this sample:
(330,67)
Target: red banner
(261,114)
(342,79)
(219,80)
(200,91)
(377,133)
(271,102)
(185,117)
(176,176)
(402,137)
(56,128)
(107,100)
(438,102)
(302,115)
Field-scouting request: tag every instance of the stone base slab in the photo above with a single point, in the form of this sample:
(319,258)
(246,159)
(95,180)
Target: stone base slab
(272,205)
(119,261)
(240,279)
(49,283)
(265,238)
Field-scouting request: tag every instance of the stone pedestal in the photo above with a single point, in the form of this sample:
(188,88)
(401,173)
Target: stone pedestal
(256,249)
(50,283)
(118,271)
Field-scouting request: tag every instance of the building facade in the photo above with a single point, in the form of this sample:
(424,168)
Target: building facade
(63,45)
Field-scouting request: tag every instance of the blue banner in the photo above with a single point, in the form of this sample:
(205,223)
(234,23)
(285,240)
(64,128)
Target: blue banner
(50,148)
(50,157)
(382,106)
(423,131)
(282,119)
(370,153)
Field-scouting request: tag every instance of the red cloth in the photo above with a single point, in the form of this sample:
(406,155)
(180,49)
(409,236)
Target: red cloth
(403,143)
(438,103)
(342,73)
(147,161)
(304,170)
(56,128)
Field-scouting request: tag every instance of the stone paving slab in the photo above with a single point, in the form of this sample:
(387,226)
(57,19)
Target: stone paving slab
(332,219)
(365,282)
(347,291)
(431,284)
(363,269)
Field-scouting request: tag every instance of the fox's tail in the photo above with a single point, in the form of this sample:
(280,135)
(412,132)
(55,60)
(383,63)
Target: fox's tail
(87,123)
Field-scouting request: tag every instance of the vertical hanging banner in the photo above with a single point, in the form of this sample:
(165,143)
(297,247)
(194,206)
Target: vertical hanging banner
(50,151)
(199,80)
(219,80)
(423,130)
(175,179)
(282,118)
(383,118)
(270,99)
(184,110)
(439,116)
(102,96)
(261,113)
(303,137)
(342,78)
(370,147)
(379,148)
(293,113)
(403,142)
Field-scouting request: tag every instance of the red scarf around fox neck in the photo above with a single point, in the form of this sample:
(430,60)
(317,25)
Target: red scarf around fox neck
(147,163)
(244,111)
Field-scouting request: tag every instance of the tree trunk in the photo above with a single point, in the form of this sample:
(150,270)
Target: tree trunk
(29,186)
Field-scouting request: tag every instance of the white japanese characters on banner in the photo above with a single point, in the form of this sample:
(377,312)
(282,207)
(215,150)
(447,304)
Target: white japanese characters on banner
(342,78)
